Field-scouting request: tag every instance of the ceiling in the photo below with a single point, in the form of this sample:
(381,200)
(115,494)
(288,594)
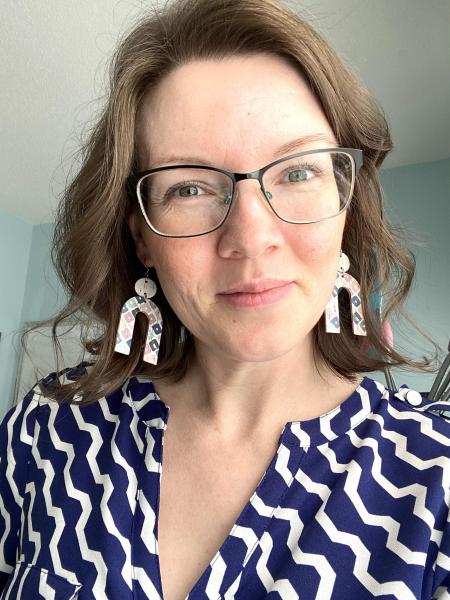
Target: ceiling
(54,68)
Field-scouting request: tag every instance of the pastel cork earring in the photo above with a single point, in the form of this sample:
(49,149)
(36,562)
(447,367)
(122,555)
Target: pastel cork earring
(145,289)
(346,281)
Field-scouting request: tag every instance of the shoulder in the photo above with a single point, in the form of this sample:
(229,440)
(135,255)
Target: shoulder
(410,435)
(135,399)
(412,447)
(39,421)
(407,403)
(412,429)
(133,388)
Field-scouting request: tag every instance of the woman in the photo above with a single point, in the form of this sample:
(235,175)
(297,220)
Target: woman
(286,473)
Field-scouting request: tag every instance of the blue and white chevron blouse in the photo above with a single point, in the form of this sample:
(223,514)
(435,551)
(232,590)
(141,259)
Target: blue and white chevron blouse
(354,504)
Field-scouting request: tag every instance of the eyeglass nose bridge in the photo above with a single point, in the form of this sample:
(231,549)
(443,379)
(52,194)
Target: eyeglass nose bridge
(253,175)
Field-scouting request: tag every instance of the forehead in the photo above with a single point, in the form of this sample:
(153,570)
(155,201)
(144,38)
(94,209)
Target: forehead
(231,110)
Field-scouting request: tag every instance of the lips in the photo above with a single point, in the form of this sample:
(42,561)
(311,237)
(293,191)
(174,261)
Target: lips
(255,287)
(257,293)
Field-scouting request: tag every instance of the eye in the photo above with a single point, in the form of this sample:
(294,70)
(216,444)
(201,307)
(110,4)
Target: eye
(300,173)
(190,189)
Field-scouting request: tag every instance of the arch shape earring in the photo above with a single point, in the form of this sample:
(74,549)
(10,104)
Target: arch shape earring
(145,289)
(346,281)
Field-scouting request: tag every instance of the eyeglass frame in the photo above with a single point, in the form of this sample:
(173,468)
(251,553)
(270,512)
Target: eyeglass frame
(356,155)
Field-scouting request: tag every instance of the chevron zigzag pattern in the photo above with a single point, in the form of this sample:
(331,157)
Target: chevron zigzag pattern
(354,504)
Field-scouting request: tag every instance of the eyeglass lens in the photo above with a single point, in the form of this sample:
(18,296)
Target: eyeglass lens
(191,201)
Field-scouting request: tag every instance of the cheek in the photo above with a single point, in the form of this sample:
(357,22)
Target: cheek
(181,266)
(317,250)
(318,245)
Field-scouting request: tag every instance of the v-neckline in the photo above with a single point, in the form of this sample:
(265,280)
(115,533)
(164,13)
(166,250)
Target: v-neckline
(294,441)
(246,518)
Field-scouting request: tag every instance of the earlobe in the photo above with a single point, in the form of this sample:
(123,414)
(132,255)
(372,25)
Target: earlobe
(139,242)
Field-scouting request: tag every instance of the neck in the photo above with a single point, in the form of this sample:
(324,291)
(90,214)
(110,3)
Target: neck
(239,400)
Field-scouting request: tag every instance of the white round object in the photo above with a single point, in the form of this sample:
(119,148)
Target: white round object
(413,398)
(145,287)
(344,262)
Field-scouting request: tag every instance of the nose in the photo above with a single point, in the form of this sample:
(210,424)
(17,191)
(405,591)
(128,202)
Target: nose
(251,228)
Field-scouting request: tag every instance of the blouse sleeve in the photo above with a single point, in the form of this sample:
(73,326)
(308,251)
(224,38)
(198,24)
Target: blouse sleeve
(441,583)
(16,438)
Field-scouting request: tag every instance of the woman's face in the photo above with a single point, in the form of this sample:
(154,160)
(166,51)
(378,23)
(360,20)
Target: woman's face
(234,114)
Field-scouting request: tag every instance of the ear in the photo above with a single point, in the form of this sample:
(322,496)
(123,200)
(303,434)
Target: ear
(135,225)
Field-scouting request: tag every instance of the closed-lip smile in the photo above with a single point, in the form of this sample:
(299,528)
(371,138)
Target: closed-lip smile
(257,294)
(255,287)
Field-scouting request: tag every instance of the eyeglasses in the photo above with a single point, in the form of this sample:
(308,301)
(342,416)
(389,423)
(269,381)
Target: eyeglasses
(192,200)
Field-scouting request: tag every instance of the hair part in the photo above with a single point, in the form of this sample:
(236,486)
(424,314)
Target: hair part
(94,254)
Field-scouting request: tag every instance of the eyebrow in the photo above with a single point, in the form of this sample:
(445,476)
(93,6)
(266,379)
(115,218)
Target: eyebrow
(295,144)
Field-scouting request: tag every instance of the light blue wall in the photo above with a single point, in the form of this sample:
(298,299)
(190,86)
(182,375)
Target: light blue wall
(15,244)
(37,291)
(418,198)
(44,295)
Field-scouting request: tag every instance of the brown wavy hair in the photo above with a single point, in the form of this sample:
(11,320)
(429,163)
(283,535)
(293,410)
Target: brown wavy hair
(93,251)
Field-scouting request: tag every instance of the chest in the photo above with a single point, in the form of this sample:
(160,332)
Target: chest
(342,518)
(202,494)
